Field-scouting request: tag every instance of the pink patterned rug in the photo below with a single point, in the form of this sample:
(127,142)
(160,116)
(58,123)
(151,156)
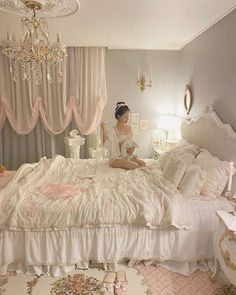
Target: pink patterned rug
(164,282)
(151,280)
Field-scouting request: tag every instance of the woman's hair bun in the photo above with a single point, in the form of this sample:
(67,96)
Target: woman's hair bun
(121,108)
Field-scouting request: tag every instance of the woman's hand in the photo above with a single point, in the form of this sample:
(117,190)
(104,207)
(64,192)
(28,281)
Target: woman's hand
(130,150)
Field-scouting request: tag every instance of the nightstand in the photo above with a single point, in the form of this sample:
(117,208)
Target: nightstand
(159,151)
(225,249)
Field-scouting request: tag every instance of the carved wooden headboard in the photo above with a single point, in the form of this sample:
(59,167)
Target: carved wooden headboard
(209,132)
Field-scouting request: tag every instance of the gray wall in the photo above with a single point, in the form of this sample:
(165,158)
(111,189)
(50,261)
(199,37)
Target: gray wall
(121,73)
(208,64)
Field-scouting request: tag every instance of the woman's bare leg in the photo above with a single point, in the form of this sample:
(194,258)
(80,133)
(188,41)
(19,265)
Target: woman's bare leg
(124,164)
(139,162)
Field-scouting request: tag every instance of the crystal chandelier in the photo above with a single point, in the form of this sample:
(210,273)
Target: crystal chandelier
(35,53)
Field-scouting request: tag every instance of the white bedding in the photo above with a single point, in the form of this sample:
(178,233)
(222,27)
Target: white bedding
(101,197)
(33,239)
(57,252)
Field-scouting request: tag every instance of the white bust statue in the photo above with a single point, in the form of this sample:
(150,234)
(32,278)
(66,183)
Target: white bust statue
(73,144)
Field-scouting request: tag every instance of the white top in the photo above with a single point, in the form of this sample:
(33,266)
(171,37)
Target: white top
(121,138)
(114,143)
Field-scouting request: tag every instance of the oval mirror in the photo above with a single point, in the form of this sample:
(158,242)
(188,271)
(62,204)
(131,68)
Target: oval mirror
(188,100)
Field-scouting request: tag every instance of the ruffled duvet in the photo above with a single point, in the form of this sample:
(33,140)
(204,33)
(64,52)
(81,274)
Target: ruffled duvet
(66,193)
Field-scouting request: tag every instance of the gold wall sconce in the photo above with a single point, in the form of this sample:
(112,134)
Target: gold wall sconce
(142,81)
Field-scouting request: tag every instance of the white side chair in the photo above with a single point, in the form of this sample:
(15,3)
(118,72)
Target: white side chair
(73,144)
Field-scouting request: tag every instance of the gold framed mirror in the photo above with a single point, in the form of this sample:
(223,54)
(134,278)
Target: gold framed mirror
(188,99)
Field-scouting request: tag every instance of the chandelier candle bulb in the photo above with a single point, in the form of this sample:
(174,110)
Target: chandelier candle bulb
(58,38)
(9,37)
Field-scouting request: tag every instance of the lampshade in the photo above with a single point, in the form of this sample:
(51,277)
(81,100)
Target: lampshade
(168,122)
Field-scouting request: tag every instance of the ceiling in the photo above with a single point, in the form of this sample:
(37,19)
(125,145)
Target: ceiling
(131,24)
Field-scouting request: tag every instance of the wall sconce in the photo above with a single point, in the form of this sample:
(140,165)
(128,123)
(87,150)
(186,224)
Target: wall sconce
(141,80)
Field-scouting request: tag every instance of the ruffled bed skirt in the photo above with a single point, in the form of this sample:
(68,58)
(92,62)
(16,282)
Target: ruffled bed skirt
(58,252)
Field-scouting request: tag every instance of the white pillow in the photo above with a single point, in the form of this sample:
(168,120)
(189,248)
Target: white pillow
(185,153)
(193,180)
(217,174)
(185,146)
(188,158)
(207,160)
(174,169)
(162,160)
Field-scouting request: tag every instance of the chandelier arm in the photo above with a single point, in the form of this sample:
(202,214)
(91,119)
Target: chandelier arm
(44,34)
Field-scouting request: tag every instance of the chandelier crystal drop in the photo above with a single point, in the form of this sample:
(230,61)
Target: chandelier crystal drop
(35,53)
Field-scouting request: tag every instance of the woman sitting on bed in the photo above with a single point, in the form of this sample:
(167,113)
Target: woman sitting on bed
(119,143)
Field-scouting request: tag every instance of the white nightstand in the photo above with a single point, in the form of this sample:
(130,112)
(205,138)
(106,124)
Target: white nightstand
(225,250)
(159,151)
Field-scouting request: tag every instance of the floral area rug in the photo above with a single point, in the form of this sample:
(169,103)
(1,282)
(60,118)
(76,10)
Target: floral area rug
(77,282)
(150,280)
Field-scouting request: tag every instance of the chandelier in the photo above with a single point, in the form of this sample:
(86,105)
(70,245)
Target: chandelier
(35,53)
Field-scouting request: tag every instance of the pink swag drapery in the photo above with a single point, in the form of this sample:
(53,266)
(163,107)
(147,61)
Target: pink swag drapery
(81,96)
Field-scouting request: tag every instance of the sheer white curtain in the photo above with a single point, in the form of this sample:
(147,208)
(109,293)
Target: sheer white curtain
(35,119)
(80,97)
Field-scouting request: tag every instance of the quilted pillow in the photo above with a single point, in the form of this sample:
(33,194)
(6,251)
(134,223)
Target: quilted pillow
(186,147)
(162,160)
(217,174)
(184,150)
(193,180)
(174,169)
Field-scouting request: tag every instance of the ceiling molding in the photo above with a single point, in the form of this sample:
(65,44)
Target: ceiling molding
(208,27)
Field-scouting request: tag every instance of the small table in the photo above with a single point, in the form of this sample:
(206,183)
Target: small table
(225,249)
(159,151)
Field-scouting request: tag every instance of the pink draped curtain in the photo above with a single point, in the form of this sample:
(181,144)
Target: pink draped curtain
(81,96)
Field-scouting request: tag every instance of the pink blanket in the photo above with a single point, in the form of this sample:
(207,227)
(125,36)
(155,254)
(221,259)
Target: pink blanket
(61,191)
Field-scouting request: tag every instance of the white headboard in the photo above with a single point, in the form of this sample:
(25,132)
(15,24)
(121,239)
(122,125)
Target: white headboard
(209,132)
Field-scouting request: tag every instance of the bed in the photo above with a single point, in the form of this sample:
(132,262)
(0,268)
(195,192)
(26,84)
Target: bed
(60,213)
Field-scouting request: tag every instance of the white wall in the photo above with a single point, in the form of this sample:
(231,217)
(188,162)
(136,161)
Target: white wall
(121,71)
